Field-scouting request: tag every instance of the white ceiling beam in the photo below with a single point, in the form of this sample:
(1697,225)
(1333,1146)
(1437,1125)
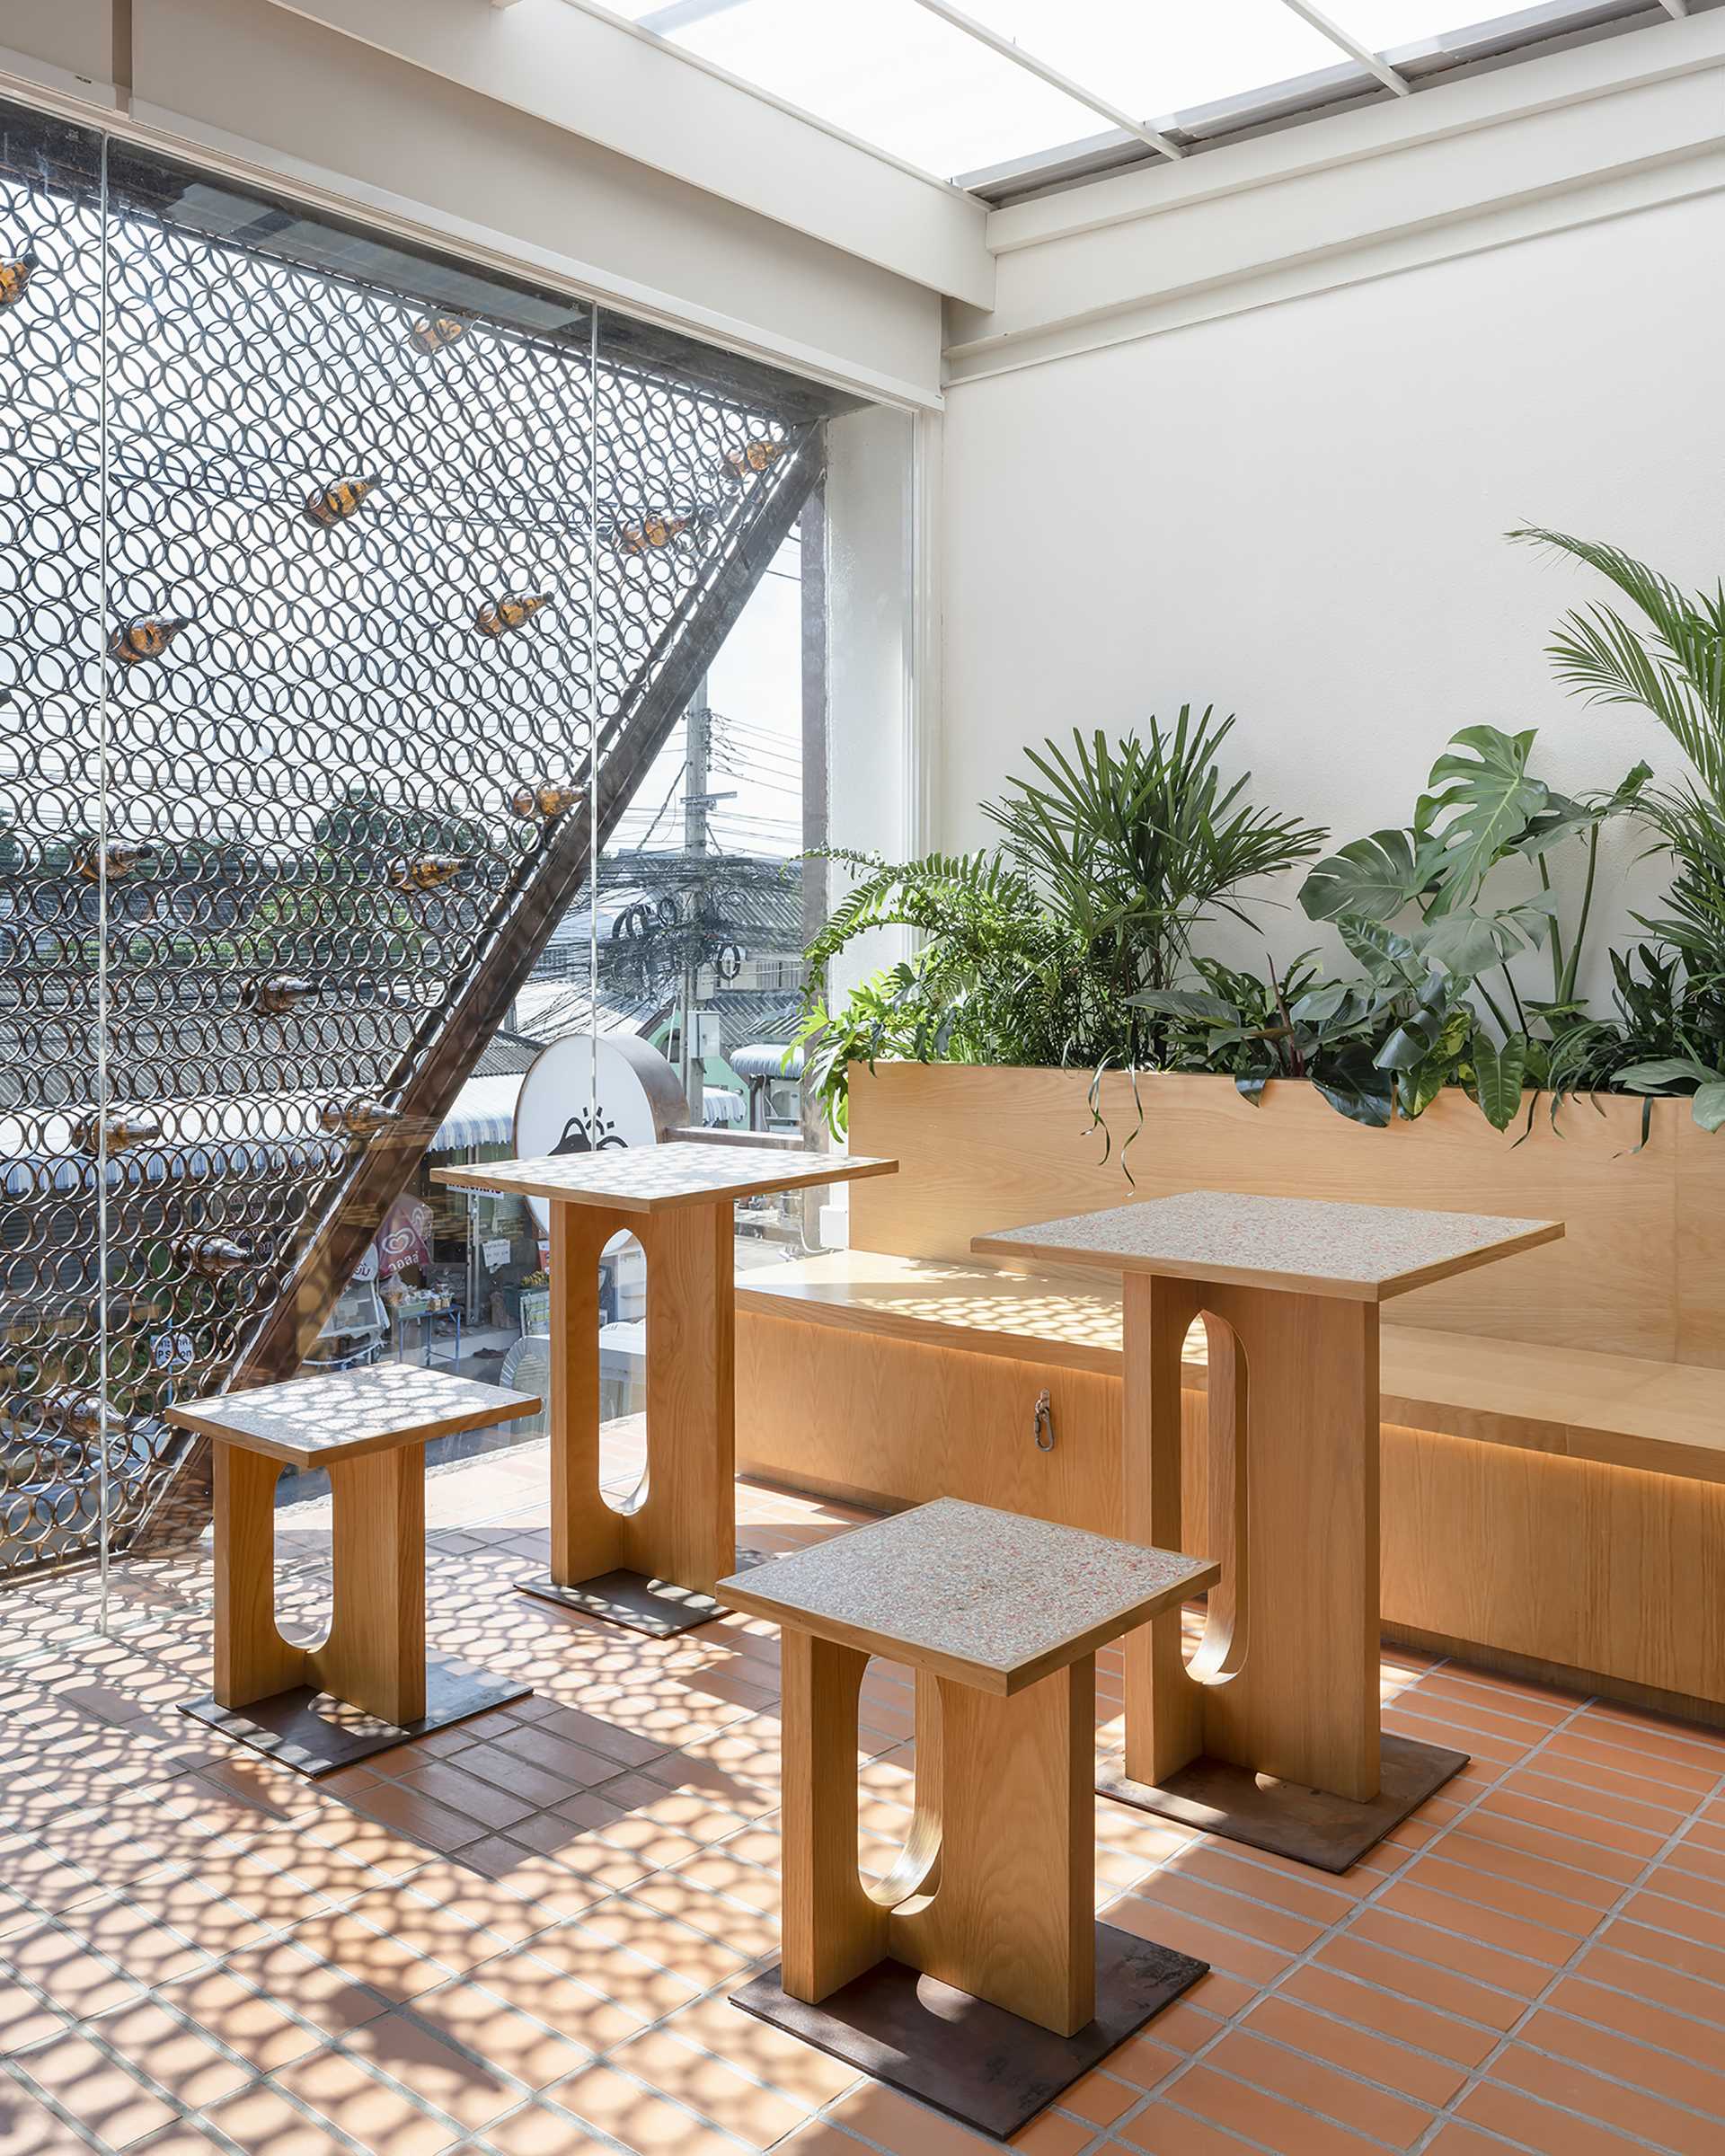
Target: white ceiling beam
(1079,94)
(575,65)
(1351,46)
(1678,8)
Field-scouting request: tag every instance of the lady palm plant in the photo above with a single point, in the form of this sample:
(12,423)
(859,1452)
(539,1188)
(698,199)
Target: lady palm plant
(1677,672)
(1136,844)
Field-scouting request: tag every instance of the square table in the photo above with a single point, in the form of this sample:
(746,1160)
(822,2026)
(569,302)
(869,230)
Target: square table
(368,1686)
(1271,1735)
(652,1563)
(976,1975)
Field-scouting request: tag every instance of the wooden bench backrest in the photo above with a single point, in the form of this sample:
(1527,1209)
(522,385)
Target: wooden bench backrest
(1641,1270)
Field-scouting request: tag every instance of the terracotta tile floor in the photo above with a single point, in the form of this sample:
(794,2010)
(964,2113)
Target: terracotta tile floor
(517,1936)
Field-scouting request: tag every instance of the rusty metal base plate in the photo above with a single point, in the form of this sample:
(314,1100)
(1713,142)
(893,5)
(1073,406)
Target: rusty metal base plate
(991,2070)
(1309,1826)
(658,1607)
(315,1733)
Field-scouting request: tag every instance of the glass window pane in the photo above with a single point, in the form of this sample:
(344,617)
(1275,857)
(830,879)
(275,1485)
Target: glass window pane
(1384,24)
(891,74)
(389,543)
(1156,58)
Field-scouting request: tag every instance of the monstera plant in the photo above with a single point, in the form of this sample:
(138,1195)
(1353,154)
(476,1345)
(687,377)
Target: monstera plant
(1466,889)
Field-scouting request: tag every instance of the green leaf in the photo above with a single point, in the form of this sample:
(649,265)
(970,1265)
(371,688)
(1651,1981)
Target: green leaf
(1372,879)
(1417,1091)
(1663,1072)
(1563,817)
(1385,955)
(1185,1002)
(1490,801)
(1360,1106)
(1468,944)
(1498,1076)
(1407,1047)
(1318,1005)
(1674,668)
(1709,1106)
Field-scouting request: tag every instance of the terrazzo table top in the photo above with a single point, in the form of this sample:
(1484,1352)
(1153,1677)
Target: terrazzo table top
(308,1421)
(1306,1246)
(648,1178)
(989,1597)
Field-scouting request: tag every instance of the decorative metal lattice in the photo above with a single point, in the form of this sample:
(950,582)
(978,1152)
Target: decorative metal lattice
(317,557)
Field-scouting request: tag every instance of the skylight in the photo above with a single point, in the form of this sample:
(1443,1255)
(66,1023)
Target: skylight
(926,82)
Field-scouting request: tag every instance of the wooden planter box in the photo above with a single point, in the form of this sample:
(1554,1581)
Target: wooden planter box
(1606,1575)
(1641,1271)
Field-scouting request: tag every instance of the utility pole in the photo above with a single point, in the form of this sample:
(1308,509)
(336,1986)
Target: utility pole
(695,844)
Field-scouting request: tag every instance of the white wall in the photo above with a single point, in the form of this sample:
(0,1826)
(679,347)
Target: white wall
(1295,510)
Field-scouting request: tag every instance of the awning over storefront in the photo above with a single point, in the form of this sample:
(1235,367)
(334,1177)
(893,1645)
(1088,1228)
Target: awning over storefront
(766,1059)
(721,1107)
(483,1115)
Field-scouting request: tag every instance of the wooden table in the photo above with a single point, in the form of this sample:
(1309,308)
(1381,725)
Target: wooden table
(652,1563)
(1271,1735)
(368,1686)
(975,1976)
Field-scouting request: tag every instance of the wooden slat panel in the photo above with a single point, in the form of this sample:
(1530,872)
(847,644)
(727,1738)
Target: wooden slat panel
(1563,1561)
(986,1149)
(1699,1214)
(826,1408)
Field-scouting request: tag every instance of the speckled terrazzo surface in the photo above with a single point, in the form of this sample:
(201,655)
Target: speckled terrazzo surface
(641,1178)
(1366,1252)
(972,1584)
(307,1419)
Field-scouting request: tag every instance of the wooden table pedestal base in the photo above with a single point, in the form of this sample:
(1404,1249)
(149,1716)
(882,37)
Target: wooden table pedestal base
(315,1733)
(1311,1826)
(650,1562)
(974,1976)
(1269,1732)
(991,2070)
(368,1686)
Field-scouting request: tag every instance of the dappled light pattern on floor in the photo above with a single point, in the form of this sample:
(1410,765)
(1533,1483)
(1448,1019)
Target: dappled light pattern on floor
(516,1937)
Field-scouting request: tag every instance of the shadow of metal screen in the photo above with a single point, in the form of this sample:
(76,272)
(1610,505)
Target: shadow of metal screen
(321,558)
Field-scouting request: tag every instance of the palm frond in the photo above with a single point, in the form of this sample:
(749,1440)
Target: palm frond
(1678,673)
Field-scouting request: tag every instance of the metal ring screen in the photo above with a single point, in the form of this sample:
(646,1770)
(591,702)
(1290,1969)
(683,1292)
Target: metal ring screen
(322,557)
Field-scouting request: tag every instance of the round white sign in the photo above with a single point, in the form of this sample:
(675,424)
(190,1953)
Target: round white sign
(637,1100)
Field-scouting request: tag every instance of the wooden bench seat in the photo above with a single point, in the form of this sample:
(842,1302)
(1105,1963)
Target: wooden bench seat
(1664,1417)
(1577,1533)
